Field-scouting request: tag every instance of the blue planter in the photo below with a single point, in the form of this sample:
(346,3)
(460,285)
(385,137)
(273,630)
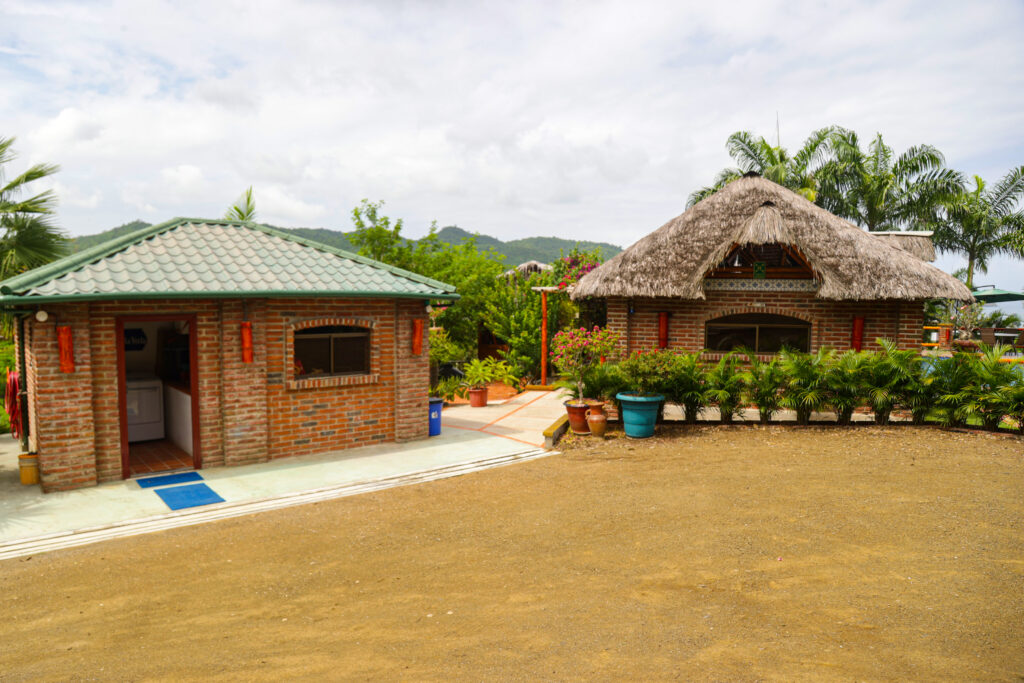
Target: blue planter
(639,413)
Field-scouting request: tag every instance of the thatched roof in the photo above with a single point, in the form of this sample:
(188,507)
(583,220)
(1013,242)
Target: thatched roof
(918,243)
(848,262)
(527,268)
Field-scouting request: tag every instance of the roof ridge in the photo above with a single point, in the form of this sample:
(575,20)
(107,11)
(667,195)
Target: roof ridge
(74,261)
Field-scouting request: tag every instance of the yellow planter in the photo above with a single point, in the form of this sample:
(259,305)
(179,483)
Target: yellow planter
(29,466)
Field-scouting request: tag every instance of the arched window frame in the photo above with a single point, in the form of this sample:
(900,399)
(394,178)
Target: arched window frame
(772,320)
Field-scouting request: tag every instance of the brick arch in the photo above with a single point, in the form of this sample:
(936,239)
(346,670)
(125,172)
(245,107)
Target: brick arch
(328,321)
(765,310)
(293,382)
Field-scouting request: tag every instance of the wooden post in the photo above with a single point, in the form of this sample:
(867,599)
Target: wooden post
(544,338)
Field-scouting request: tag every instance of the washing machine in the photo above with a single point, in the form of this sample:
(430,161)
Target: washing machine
(145,407)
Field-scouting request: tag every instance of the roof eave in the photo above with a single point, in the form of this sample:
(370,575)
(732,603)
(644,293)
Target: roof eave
(19,301)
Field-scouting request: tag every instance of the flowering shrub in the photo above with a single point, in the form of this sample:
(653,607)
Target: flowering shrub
(569,269)
(576,351)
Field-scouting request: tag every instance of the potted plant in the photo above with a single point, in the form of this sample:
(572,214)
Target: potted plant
(480,373)
(649,373)
(575,353)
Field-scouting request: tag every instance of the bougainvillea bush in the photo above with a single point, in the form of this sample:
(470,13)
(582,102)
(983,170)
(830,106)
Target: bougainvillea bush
(576,351)
(570,268)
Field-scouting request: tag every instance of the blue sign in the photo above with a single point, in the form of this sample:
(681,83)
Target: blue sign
(135,340)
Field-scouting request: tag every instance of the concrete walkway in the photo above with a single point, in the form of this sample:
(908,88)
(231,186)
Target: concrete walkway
(472,439)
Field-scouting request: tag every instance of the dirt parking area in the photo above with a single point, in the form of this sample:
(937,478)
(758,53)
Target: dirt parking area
(709,553)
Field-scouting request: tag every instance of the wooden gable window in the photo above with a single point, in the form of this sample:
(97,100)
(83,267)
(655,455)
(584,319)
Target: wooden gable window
(763,261)
(332,350)
(758,332)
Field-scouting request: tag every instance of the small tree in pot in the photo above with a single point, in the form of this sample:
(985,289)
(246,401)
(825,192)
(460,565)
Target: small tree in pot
(480,373)
(575,353)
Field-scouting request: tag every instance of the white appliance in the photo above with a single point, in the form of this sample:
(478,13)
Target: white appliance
(145,407)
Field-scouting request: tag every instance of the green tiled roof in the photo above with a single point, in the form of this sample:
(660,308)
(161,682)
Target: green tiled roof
(189,257)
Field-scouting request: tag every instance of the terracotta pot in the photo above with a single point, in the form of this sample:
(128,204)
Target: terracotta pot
(577,416)
(478,398)
(596,419)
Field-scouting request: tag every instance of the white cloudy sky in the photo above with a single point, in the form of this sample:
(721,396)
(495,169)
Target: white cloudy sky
(582,120)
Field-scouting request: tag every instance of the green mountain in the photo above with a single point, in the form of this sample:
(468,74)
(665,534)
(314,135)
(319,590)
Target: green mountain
(544,249)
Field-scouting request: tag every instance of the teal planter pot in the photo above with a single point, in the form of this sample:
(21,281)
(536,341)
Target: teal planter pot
(639,413)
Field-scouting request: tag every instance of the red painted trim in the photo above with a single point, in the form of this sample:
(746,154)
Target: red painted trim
(417,336)
(247,354)
(122,392)
(122,397)
(66,348)
(663,329)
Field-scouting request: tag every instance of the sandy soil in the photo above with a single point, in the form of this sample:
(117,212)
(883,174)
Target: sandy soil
(739,553)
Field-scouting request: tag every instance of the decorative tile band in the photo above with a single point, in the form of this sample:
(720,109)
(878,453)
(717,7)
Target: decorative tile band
(780,285)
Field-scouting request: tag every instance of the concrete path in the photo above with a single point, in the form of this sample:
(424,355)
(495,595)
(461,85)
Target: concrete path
(522,418)
(472,439)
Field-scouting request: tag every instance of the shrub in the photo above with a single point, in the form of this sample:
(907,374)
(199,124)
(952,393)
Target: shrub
(887,373)
(649,372)
(687,385)
(446,388)
(764,381)
(950,377)
(985,395)
(844,378)
(805,390)
(603,382)
(920,393)
(725,387)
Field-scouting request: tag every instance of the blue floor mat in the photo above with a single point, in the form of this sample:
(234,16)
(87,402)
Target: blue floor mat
(168,479)
(190,496)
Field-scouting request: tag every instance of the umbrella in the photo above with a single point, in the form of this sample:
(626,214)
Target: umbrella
(991,295)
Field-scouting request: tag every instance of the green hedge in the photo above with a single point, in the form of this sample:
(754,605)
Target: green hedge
(964,389)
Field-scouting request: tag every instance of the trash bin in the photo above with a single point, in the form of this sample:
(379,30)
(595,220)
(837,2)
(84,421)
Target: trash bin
(435,415)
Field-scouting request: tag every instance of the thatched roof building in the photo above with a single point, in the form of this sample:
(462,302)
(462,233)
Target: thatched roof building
(846,262)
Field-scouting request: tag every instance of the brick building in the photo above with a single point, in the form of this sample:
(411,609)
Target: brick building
(759,267)
(207,343)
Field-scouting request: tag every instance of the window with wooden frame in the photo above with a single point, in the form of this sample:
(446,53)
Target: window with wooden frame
(769,261)
(331,350)
(758,332)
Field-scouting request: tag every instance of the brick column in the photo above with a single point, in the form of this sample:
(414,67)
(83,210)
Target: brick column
(412,373)
(244,405)
(62,402)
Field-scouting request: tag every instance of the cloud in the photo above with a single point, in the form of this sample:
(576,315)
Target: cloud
(587,121)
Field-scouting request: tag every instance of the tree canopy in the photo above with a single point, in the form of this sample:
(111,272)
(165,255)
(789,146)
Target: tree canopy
(28,237)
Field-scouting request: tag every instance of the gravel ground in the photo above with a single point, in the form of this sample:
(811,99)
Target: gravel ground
(707,553)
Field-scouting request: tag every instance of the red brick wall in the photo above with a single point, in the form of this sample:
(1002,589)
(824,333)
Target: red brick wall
(60,404)
(831,321)
(249,412)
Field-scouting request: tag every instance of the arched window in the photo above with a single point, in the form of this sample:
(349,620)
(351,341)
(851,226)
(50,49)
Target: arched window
(760,332)
(331,350)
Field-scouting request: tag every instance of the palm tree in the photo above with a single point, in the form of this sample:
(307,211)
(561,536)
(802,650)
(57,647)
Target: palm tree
(244,208)
(879,191)
(981,222)
(27,237)
(757,155)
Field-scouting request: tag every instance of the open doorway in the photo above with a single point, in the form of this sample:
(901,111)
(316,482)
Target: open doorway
(158,392)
